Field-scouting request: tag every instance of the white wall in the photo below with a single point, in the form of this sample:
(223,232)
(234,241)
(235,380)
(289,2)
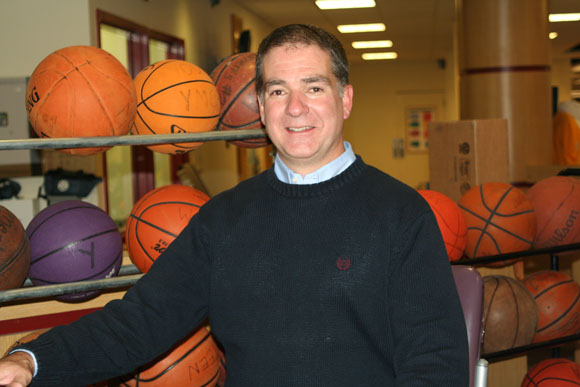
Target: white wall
(28,35)
(382,91)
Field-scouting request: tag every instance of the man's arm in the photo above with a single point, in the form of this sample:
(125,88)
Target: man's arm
(427,321)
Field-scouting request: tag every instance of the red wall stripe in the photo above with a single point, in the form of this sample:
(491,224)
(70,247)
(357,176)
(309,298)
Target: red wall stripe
(34,323)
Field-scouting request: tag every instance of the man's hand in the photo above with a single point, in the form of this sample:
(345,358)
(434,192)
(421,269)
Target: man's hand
(16,370)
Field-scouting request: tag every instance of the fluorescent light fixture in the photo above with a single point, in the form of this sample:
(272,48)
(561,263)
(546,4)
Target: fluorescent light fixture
(351,28)
(343,4)
(553,35)
(379,55)
(373,44)
(563,17)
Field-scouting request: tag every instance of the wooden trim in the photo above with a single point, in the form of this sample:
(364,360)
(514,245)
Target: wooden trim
(34,323)
(505,69)
(116,21)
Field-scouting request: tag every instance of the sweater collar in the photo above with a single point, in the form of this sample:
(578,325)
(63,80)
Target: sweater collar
(298,190)
(326,172)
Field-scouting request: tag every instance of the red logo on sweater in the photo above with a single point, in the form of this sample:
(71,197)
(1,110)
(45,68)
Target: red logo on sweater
(343,264)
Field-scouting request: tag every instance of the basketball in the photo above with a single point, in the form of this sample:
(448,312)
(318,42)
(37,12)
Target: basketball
(80,91)
(194,362)
(26,338)
(553,373)
(500,219)
(221,382)
(156,220)
(557,297)
(73,241)
(450,221)
(235,80)
(510,314)
(175,96)
(556,201)
(15,251)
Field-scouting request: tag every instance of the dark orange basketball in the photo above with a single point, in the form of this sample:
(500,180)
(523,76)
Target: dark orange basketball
(500,219)
(156,220)
(553,373)
(193,362)
(510,314)
(557,296)
(450,221)
(175,96)
(80,91)
(14,251)
(235,80)
(556,201)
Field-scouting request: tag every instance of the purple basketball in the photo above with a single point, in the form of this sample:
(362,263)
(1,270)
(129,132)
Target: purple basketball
(73,241)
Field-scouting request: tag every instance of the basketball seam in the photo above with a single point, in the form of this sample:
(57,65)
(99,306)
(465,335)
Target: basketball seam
(78,69)
(171,366)
(92,276)
(517,306)
(16,254)
(144,100)
(88,237)
(562,315)
(33,231)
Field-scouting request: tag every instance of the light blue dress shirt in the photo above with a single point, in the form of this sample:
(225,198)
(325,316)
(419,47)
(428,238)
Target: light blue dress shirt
(326,172)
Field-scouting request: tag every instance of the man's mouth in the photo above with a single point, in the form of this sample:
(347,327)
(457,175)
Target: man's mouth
(299,129)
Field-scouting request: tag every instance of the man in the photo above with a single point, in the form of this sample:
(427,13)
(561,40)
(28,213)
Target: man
(566,129)
(322,271)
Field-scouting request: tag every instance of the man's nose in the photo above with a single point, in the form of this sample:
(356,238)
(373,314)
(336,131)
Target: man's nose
(296,105)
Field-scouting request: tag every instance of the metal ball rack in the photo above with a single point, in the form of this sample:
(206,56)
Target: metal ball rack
(128,274)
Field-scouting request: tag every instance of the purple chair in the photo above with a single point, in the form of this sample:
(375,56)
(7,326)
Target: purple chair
(470,288)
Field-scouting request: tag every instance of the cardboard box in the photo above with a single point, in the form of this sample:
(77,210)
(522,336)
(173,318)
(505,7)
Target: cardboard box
(463,154)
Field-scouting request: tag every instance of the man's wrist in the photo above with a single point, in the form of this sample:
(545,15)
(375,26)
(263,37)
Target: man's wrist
(27,357)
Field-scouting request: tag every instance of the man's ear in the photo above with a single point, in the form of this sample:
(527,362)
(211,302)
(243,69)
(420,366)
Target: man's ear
(347,96)
(261,107)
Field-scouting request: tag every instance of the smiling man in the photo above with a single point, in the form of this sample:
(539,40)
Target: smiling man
(322,271)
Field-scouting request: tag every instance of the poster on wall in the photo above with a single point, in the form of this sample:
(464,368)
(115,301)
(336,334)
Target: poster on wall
(416,127)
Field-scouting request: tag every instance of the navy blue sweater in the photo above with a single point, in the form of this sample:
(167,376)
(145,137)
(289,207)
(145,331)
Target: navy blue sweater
(341,283)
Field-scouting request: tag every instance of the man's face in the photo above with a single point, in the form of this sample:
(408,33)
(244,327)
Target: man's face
(302,109)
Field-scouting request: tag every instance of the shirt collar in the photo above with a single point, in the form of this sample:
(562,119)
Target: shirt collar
(326,172)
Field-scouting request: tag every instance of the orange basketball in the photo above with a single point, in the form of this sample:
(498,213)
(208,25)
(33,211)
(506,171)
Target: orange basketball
(556,201)
(235,80)
(193,362)
(156,220)
(553,373)
(510,314)
(557,296)
(450,221)
(500,219)
(15,251)
(80,91)
(175,96)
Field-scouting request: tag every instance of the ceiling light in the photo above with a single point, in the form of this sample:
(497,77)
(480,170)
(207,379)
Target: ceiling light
(373,44)
(351,28)
(379,55)
(343,4)
(553,35)
(564,17)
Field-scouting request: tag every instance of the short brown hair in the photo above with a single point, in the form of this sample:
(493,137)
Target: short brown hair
(306,34)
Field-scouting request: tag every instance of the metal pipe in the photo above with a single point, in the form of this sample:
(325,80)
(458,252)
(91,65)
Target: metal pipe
(107,141)
(124,270)
(68,288)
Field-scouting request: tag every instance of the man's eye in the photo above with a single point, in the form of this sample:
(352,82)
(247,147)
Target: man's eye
(316,89)
(276,92)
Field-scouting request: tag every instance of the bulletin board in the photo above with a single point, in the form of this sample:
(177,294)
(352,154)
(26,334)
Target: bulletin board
(417,119)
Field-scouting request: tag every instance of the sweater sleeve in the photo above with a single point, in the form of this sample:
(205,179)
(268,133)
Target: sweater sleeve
(427,324)
(164,306)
